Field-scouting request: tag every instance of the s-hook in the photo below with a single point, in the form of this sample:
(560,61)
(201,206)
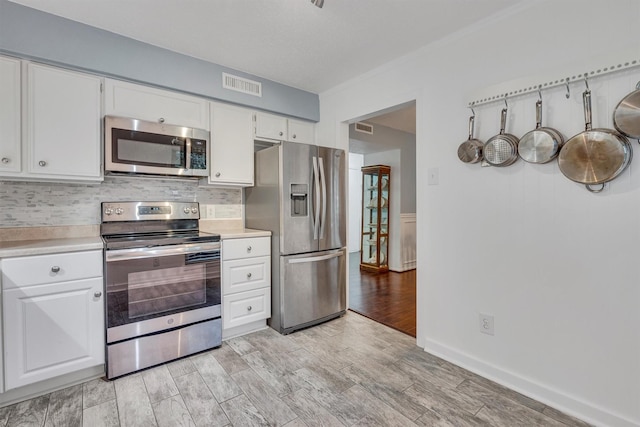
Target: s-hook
(566,82)
(505,101)
(473,112)
(539,94)
(586,81)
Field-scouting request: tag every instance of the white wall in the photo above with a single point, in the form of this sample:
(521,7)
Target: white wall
(557,266)
(356,161)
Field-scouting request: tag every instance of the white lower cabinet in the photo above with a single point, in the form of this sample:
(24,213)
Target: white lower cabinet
(53,316)
(246,285)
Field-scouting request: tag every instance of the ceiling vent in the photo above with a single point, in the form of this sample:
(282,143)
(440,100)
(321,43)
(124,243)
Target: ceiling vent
(239,84)
(364,128)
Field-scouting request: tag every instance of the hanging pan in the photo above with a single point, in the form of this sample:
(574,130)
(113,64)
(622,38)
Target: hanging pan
(470,151)
(626,116)
(595,156)
(502,149)
(542,144)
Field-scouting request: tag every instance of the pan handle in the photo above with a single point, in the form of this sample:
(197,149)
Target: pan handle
(595,190)
(538,114)
(503,120)
(471,120)
(586,99)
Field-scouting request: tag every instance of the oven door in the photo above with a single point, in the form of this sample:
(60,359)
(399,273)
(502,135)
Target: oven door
(154,289)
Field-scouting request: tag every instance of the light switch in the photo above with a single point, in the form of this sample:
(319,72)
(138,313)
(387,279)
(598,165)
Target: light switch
(433,176)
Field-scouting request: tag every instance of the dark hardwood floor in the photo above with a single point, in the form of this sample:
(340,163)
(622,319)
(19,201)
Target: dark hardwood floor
(388,298)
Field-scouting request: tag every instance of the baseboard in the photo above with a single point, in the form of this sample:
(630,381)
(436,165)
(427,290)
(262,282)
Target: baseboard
(243,329)
(53,384)
(549,396)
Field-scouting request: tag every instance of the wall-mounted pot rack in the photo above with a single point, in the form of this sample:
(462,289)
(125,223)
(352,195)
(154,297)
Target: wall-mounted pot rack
(597,67)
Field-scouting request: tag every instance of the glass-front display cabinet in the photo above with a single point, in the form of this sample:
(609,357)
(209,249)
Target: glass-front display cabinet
(375,218)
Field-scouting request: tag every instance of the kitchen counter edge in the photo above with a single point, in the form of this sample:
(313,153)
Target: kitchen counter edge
(16,248)
(241,233)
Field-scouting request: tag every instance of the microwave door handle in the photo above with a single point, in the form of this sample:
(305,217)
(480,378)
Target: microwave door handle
(316,196)
(323,186)
(187,155)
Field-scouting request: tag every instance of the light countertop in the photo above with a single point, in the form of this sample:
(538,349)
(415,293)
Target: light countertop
(240,233)
(13,248)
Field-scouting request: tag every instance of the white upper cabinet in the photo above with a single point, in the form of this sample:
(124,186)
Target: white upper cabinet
(63,124)
(10,159)
(299,131)
(155,105)
(270,126)
(231,145)
(278,128)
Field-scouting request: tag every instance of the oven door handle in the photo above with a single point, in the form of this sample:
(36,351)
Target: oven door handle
(159,251)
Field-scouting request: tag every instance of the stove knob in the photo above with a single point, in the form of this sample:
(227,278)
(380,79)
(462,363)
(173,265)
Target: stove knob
(186,210)
(108,211)
(194,210)
(119,211)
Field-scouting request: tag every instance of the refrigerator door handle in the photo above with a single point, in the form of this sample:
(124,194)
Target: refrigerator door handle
(323,185)
(316,258)
(316,207)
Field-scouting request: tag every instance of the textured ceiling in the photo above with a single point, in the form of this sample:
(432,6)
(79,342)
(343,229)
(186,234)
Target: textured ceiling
(287,41)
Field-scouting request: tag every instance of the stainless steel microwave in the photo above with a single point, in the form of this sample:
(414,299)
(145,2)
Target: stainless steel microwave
(138,146)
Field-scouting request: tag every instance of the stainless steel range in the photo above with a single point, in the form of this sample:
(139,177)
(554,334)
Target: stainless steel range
(162,282)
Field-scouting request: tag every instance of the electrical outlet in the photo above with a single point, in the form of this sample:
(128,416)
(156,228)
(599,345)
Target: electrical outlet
(486,324)
(210,211)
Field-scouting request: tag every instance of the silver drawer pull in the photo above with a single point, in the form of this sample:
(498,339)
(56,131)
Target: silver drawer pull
(55,269)
(248,275)
(97,294)
(248,248)
(6,160)
(161,120)
(42,163)
(249,308)
(217,174)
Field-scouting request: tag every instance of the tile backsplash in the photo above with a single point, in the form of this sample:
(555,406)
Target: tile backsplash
(34,204)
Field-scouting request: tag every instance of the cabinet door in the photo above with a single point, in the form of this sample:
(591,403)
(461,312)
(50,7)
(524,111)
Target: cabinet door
(231,145)
(301,132)
(10,158)
(50,330)
(155,105)
(63,123)
(270,126)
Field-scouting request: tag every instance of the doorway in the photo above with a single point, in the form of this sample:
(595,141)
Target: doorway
(387,137)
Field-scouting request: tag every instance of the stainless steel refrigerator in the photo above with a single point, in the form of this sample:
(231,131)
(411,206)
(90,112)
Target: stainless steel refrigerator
(299,195)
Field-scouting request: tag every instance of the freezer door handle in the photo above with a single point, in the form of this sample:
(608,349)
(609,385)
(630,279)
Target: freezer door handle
(323,186)
(316,258)
(316,207)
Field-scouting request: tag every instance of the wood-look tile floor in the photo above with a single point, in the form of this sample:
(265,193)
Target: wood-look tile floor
(388,298)
(350,371)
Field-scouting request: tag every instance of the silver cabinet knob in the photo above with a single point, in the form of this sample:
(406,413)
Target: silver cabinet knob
(42,163)
(161,120)
(281,133)
(248,275)
(119,211)
(249,248)
(194,210)
(217,174)
(186,210)
(55,269)
(249,308)
(97,294)
(294,136)
(6,160)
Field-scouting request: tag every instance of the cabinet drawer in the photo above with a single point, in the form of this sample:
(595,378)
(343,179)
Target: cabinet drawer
(36,270)
(245,248)
(246,307)
(242,275)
